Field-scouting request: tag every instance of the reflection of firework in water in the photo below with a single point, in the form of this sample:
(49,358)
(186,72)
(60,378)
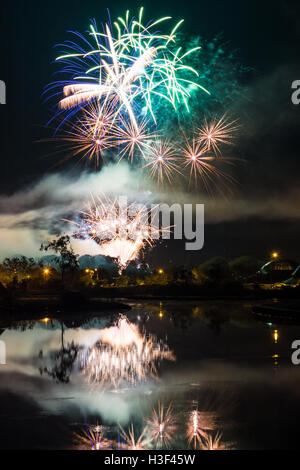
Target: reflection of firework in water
(121,230)
(131,443)
(92,438)
(123,354)
(215,443)
(161,425)
(198,425)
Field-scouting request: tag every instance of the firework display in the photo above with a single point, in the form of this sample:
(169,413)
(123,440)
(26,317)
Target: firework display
(149,271)
(115,79)
(127,64)
(120,229)
(114,82)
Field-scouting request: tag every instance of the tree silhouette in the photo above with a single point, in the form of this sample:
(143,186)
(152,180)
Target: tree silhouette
(68,260)
(18,265)
(63,360)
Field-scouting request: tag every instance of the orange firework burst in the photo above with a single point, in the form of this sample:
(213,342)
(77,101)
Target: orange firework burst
(161,425)
(91,135)
(161,159)
(203,166)
(132,138)
(216,132)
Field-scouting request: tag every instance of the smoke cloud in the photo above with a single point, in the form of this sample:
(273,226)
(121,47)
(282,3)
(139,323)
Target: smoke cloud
(34,214)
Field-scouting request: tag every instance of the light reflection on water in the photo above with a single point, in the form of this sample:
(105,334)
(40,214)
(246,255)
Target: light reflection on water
(232,384)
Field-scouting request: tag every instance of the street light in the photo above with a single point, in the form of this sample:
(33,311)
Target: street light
(275,254)
(46,272)
(160,271)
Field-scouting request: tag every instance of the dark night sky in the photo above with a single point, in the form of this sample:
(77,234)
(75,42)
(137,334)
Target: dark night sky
(266,36)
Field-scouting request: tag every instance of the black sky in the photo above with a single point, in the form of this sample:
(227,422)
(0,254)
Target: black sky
(265,35)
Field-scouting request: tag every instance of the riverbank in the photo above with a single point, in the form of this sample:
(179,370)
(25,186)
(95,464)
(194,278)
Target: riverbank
(67,304)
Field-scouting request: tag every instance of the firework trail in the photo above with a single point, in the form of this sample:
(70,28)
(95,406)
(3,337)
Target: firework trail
(123,354)
(161,426)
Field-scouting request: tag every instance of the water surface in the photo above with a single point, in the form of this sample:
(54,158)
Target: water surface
(211,358)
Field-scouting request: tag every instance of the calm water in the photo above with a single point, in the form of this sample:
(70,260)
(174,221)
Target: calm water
(218,368)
